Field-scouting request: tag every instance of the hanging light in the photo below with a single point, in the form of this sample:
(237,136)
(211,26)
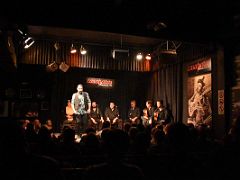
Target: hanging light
(56,46)
(64,67)
(73,49)
(52,67)
(148,57)
(83,51)
(139,56)
(28,42)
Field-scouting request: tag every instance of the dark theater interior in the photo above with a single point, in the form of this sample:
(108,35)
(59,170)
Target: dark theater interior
(118,89)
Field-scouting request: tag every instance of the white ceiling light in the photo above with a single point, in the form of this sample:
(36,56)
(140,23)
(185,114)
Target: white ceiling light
(139,56)
(83,51)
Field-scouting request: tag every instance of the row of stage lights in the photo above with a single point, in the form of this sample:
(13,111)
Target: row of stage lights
(73,50)
(64,67)
(83,51)
(140,56)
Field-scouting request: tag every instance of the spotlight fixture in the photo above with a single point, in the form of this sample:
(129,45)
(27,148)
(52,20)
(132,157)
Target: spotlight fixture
(23,34)
(113,54)
(83,51)
(56,46)
(168,48)
(73,49)
(139,56)
(148,57)
(52,67)
(26,40)
(116,52)
(63,66)
(156,25)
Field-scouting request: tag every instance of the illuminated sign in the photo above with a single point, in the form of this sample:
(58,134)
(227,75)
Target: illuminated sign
(100,82)
(200,67)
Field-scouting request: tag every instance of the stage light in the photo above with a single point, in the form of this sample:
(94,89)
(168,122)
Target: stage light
(28,42)
(64,67)
(148,57)
(83,51)
(56,46)
(52,67)
(23,34)
(73,49)
(139,56)
(113,54)
(169,51)
(120,52)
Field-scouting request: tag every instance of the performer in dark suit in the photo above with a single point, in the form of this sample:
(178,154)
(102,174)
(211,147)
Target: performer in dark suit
(81,105)
(161,113)
(95,117)
(147,120)
(112,114)
(134,113)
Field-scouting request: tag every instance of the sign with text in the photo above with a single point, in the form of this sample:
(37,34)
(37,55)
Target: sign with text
(200,67)
(220,102)
(100,82)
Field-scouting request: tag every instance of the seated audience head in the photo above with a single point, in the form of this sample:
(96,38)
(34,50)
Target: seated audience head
(68,135)
(115,142)
(105,124)
(127,127)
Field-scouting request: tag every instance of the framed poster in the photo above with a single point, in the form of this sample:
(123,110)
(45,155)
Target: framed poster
(199,94)
(22,109)
(3,108)
(25,93)
(44,105)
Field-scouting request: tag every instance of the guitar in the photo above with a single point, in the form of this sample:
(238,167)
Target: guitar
(194,104)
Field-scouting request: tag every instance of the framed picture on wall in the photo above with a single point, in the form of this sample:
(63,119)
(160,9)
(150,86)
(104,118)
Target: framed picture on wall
(3,108)
(44,105)
(21,108)
(25,93)
(199,99)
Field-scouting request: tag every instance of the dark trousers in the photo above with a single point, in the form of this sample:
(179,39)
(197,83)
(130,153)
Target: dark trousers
(117,124)
(97,126)
(81,123)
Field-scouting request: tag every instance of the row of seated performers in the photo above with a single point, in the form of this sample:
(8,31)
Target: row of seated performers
(150,115)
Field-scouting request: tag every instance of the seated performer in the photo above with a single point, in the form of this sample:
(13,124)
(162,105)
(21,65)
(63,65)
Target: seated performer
(164,114)
(145,118)
(112,115)
(161,113)
(69,117)
(134,113)
(95,117)
(150,114)
(69,111)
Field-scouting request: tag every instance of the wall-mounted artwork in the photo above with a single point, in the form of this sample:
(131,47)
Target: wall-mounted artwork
(25,93)
(199,93)
(3,108)
(44,105)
